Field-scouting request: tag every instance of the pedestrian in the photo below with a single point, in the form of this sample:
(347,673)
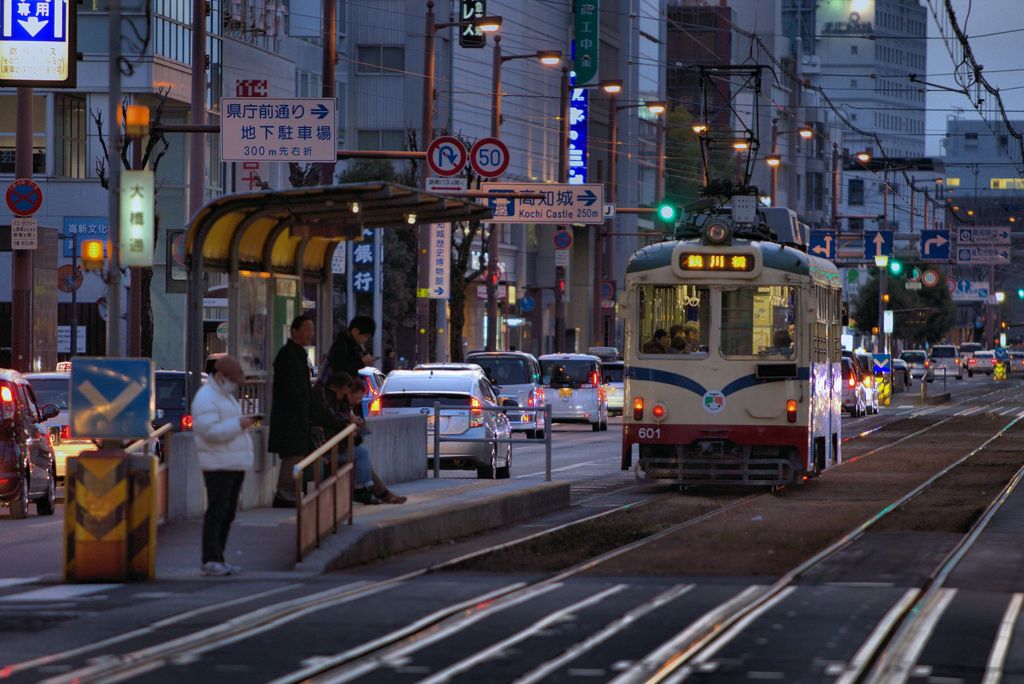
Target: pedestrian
(291,435)
(224,450)
(390,361)
(348,353)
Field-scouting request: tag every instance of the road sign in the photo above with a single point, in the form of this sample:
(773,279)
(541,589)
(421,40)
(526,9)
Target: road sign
(887,326)
(137,218)
(983,236)
(527,303)
(111,398)
(470,35)
(68,280)
(823,243)
(912,285)
(562,239)
(442,184)
(24,233)
(24,196)
(930,278)
(989,254)
(561,258)
(559,203)
(970,290)
(440,260)
(877,243)
(587,40)
(85,227)
(883,363)
(489,157)
(38,43)
(609,212)
(278,129)
(934,245)
(64,339)
(446,155)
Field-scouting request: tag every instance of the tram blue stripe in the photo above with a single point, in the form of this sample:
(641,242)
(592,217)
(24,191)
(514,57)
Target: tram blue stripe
(750,380)
(683,382)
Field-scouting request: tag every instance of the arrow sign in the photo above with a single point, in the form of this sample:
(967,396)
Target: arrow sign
(554,203)
(320,111)
(440,260)
(934,244)
(882,362)
(588,198)
(877,243)
(446,155)
(984,236)
(823,243)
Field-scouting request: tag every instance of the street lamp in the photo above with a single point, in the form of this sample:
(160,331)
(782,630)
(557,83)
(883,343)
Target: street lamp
(863,157)
(547,58)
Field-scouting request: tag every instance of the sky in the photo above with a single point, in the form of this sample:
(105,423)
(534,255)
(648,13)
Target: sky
(993,52)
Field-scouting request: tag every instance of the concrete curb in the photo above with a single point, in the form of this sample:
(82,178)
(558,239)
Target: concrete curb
(933,399)
(363,543)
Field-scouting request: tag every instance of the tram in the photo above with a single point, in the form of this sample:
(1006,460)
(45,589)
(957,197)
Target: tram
(732,351)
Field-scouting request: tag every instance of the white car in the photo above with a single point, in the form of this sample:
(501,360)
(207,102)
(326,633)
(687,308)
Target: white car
(615,385)
(946,360)
(573,389)
(54,388)
(983,361)
(463,396)
(516,376)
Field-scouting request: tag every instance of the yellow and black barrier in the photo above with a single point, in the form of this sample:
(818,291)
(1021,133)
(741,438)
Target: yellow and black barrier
(110,517)
(883,383)
(999,371)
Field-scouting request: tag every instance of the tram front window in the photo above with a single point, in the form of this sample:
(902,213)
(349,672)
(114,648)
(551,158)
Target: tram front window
(759,322)
(673,319)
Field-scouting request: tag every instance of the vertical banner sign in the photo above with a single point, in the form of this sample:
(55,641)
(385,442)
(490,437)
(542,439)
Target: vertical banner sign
(136,239)
(586,39)
(440,260)
(37,43)
(470,36)
(364,284)
(578,107)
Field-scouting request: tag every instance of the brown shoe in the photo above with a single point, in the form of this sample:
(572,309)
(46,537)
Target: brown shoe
(391,498)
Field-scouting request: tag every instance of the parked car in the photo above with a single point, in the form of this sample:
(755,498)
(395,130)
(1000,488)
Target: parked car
(55,388)
(967,350)
(172,400)
(946,360)
(920,366)
(1017,360)
(981,362)
(463,396)
(573,388)
(900,375)
(373,380)
(516,376)
(853,391)
(28,466)
(615,385)
(605,353)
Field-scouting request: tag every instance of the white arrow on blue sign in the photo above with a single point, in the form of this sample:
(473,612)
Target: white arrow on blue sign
(823,244)
(877,243)
(557,203)
(934,245)
(111,398)
(882,363)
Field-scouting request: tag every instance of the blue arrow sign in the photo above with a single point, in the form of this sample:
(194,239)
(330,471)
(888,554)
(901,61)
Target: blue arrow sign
(823,244)
(527,303)
(320,111)
(934,245)
(877,243)
(883,363)
(111,398)
(588,197)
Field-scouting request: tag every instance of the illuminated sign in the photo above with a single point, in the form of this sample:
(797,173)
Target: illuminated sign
(715,262)
(855,17)
(578,107)
(37,43)
(1006,184)
(136,243)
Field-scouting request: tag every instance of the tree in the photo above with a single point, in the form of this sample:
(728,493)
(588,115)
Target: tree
(684,170)
(919,316)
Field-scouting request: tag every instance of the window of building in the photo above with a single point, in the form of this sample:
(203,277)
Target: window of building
(855,192)
(69,136)
(380,59)
(380,139)
(8,115)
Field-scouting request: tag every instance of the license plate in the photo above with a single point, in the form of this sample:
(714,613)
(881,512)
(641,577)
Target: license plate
(565,393)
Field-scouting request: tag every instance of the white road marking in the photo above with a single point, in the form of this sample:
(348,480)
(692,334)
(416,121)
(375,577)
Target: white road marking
(61,592)
(574,466)
(862,656)
(902,663)
(997,657)
(16,581)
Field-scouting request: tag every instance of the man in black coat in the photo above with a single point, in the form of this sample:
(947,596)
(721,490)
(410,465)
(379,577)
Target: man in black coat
(348,353)
(291,407)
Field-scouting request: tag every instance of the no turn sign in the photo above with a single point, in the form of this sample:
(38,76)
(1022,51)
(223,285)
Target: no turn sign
(446,155)
(24,197)
(489,157)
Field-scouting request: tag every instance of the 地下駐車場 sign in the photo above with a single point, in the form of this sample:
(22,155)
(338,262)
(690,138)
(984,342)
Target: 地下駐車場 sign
(278,129)
(37,43)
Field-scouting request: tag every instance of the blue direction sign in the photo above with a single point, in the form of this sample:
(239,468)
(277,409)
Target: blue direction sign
(877,243)
(934,245)
(883,363)
(37,43)
(527,303)
(554,203)
(111,398)
(823,243)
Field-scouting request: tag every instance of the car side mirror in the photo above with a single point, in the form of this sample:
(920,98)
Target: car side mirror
(509,402)
(48,411)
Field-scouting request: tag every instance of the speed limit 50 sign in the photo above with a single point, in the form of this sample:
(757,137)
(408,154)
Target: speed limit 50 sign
(489,157)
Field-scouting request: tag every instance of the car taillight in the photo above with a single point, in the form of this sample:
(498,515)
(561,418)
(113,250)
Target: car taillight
(595,378)
(852,382)
(602,393)
(6,396)
(65,432)
(971,362)
(375,407)
(638,408)
(927,364)
(186,421)
(867,381)
(791,410)
(476,413)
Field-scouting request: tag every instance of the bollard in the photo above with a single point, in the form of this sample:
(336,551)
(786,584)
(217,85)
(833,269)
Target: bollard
(999,371)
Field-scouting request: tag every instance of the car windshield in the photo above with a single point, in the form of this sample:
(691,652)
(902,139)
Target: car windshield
(51,391)
(984,355)
(944,352)
(505,370)
(969,347)
(913,357)
(613,373)
(170,393)
(567,373)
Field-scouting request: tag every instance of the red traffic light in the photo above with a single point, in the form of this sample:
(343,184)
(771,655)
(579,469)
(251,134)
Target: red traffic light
(561,285)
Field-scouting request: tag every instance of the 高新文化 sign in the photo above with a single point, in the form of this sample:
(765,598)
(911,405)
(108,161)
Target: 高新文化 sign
(278,129)
(37,43)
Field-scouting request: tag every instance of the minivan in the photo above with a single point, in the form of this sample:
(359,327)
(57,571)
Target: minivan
(516,376)
(573,389)
(946,360)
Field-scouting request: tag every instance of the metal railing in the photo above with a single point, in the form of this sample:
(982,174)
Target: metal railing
(543,410)
(329,499)
(162,484)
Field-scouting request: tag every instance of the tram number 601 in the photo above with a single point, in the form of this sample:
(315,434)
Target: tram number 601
(649,433)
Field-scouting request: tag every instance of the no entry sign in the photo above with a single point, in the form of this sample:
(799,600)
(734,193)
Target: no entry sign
(24,197)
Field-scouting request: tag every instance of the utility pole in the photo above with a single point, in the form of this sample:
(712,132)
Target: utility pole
(607,226)
(330,57)
(423,231)
(563,177)
(22,351)
(496,229)
(835,187)
(74,295)
(114,196)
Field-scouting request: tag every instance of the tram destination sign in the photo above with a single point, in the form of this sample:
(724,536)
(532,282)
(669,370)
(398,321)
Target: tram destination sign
(38,43)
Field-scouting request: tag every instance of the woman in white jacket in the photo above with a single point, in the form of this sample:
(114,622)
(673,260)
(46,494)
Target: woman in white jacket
(224,448)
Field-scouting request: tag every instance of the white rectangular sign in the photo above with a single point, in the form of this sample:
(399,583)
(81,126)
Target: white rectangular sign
(984,236)
(971,291)
(338,258)
(558,203)
(442,184)
(38,43)
(440,260)
(64,339)
(23,232)
(278,129)
(561,258)
(974,254)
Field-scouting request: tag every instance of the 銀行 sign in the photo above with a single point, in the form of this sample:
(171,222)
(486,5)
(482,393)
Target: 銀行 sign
(278,129)
(37,43)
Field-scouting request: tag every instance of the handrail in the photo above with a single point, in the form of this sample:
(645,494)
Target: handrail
(156,434)
(323,449)
(330,496)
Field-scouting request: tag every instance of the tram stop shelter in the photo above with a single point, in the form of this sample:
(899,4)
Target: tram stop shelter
(276,250)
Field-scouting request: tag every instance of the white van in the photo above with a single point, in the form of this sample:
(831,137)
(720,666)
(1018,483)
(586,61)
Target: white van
(574,390)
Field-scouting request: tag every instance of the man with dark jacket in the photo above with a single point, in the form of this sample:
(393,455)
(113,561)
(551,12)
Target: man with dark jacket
(348,353)
(291,407)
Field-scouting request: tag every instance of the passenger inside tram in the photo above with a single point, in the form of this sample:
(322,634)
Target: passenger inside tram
(659,344)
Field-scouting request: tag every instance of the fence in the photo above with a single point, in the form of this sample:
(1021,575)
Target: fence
(438,439)
(329,499)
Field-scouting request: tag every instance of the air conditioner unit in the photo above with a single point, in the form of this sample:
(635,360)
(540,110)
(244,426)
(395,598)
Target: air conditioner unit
(810,64)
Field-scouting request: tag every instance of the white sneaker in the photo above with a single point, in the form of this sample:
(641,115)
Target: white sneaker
(215,569)
(233,569)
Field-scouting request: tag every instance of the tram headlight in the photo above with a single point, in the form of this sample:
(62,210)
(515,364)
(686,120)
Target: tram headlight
(716,233)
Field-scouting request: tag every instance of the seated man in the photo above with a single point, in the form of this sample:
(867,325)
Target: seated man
(659,344)
(691,332)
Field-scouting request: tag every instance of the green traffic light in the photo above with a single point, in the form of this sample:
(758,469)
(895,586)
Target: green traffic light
(1020,293)
(666,212)
(895,267)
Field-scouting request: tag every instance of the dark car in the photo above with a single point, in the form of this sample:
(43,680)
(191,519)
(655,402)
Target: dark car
(172,400)
(28,467)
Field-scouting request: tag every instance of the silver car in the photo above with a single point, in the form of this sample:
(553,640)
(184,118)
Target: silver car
(54,388)
(946,360)
(573,388)
(615,385)
(920,366)
(463,396)
(516,376)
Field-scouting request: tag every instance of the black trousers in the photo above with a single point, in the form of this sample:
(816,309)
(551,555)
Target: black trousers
(222,490)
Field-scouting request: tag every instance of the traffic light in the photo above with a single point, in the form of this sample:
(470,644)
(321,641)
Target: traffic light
(895,267)
(885,298)
(92,255)
(1003,325)
(561,286)
(667,213)
(1020,293)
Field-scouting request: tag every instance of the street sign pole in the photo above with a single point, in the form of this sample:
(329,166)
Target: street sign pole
(114,194)
(22,352)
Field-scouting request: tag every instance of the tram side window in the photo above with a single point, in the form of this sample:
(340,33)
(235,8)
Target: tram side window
(681,312)
(759,322)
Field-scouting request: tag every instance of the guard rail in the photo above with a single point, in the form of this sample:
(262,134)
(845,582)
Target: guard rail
(329,499)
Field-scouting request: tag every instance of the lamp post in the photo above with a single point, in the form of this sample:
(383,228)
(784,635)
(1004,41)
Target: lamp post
(547,58)
(487,25)
(612,88)
(563,177)
(774,161)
